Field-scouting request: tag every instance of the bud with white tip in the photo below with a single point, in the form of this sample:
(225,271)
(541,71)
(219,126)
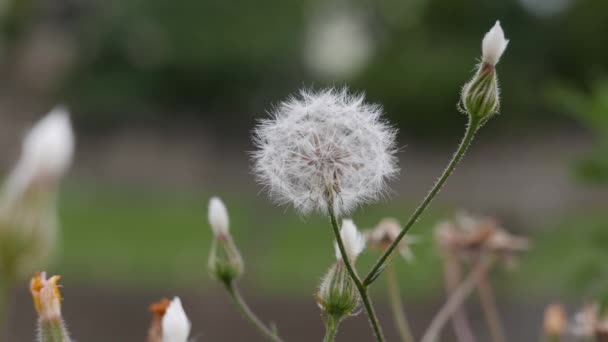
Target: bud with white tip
(338,296)
(225,261)
(480,97)
(175,324)
(28,214)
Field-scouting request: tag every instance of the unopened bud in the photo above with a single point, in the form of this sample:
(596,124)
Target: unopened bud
(555,322)
(225,262)
(480,97)
(47,301)
(338,296)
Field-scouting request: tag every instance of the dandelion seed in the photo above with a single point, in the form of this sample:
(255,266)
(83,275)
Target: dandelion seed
(322,148)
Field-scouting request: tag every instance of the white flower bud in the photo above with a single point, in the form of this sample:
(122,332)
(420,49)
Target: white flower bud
(218,217)
(493,45)
(46,154)
(175,323)
(354,241)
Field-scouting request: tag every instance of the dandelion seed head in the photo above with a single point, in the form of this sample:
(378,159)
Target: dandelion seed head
(322,146)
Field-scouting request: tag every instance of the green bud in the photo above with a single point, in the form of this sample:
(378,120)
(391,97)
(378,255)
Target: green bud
(225,262)
(338,296)
(480,97)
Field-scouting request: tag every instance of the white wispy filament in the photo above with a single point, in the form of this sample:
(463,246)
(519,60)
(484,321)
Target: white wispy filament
(354,241)
(175,323)
(325,146)
(493,45)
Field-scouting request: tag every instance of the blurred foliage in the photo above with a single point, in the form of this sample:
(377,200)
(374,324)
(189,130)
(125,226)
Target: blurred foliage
(224,59)
(590,108)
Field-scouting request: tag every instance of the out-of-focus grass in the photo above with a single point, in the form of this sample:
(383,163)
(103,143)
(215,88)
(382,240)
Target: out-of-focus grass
(129,238)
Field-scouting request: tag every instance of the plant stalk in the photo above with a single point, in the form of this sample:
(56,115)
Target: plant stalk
(473,125)
(331,328)
(401,322)
(460,321)
(248,313)
(488,305)
(455,300)
(371,314)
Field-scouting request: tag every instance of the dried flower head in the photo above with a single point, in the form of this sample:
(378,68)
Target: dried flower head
(468,236)
(325,148)
(383,235)
(353,240)
(493,45)
(175,324)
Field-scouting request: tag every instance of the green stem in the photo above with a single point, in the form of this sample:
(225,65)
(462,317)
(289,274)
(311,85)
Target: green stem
(472,127)
(367,303)
(397,305)
(331,328)
(248,313)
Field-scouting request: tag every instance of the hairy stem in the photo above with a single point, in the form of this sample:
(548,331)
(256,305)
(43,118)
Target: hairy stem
(455,300)
(472,127)
(401,322)
(248,313)
(460,321)
(488,305)
(371,314)
(331,328)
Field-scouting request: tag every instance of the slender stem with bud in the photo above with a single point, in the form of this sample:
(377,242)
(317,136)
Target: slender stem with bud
(331,328)
(473,125)
(248,313)
(397,305)
(455,300)
(371,314)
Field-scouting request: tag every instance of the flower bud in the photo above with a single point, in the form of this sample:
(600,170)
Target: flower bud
(480,97)
(28,214)
(338,296)
(555,322)
(225,262)
(353,240)
(47,301)
(169,322)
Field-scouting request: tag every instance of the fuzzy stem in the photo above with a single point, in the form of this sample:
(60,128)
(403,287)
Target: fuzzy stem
(52,330)
(367,303)
(488,305)
(248,313)
(473,125)
(331,328)
(455,300)
(460,321)
(397,305)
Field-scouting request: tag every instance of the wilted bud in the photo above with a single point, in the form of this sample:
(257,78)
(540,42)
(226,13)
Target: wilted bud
(47,301)
(555,322)
(225,262)
(28,221)
(338,296)
(480,97)
(169,322)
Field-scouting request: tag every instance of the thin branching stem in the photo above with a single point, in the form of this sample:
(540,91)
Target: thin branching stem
(472,127)
(403,326)
(367,303)
(488,305)
(248,313)
(456,299)
(460,320)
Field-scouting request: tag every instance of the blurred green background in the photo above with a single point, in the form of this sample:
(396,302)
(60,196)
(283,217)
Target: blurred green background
(164,96)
